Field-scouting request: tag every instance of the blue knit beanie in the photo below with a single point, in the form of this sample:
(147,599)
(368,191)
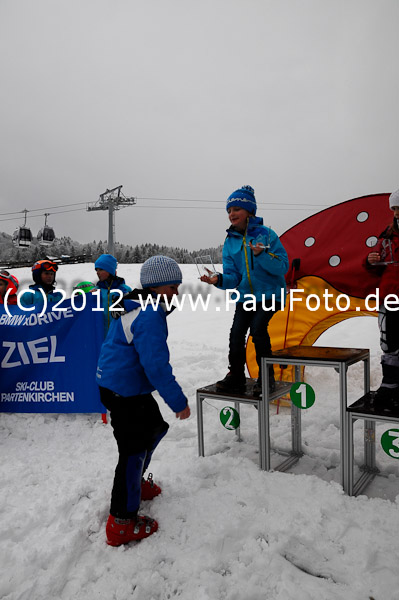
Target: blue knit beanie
(244,198)
(160,270)
(107,262)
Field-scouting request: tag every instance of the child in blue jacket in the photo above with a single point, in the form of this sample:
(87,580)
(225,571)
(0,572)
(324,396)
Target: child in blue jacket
(108,280)
(254,264)
(134,361)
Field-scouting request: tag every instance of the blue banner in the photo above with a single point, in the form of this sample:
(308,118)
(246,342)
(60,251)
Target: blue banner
(49,359)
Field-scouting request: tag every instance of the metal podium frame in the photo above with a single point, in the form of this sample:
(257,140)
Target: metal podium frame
(298,356)
(362,409)
(211,392)
(337,358)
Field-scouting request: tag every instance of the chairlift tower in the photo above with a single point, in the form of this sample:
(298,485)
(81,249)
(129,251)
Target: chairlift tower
(111,200)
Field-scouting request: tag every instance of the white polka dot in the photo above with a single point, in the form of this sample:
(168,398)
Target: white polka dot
(334,261)
(371,241)
(362,217)
(309,241)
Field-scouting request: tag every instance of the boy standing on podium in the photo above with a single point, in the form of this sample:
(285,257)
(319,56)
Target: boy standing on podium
(254,263)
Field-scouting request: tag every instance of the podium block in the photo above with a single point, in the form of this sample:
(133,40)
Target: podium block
(247,397)
(365,410)
(339,359)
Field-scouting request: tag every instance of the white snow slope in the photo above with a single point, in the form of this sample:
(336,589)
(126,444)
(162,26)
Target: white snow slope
(227,530)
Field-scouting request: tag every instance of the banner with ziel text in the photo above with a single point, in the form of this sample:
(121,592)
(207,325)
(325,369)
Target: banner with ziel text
(48,359)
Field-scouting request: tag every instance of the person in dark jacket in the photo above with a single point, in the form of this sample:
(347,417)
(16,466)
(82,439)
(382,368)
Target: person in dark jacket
(254,263)
(108,281)
(384,260)
(43,290)
(134,361)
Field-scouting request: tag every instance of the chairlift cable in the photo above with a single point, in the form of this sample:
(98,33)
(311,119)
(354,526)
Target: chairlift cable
(295,206)
(61,212)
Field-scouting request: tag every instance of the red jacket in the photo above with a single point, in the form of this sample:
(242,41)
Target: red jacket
(388,248)
(12,299)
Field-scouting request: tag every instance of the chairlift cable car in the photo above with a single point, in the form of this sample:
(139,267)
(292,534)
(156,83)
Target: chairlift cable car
(46,235)
(22,236)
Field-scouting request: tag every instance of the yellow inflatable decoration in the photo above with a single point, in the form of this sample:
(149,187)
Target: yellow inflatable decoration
(311,308)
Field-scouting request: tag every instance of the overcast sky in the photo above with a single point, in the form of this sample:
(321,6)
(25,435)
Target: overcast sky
(181,99)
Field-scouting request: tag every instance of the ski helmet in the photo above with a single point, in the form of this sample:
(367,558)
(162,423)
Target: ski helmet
(85,286)
(40,266)
(12,281)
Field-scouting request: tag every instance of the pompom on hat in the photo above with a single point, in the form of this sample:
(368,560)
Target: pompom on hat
(244,198)
(394,199)
(106,262)
(160,270)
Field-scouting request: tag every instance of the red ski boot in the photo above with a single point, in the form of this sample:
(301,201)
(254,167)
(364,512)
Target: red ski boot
(149,489)
(123,531)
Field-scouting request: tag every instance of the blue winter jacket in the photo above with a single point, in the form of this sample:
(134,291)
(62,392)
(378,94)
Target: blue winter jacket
(36,299)
(266,271)
(107,298)
(134,357)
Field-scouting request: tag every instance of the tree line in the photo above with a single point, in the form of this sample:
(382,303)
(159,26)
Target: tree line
(124,253)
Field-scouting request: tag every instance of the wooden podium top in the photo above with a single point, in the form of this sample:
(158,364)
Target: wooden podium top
(247,392)
(282,387)
(365,406)
(321,354)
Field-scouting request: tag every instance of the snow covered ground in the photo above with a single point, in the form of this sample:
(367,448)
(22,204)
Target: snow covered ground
(227,530)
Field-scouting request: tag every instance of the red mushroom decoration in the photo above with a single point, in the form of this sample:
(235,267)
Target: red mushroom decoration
(333,243)
(327,253)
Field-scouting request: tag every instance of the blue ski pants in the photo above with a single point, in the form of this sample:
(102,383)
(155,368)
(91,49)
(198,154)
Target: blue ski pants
(138,428)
